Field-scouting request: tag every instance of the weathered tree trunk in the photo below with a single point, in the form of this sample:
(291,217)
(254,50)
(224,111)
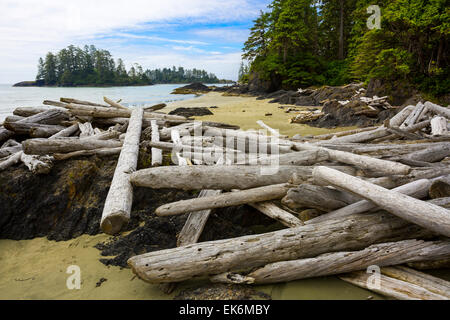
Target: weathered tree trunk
(97,152)
(156,153)
(87,103)
(67,132)
(433,284)
(33,129)
(114,104)
(417,189)
(392,287)
(438,109)
(334,135)
(302,158)
(102,112)
(5,134)
(216,177)
(195,222)
(317,197)
(439,126)
(118,203)
(431,154)
(413,117)
(10,161)
(223,200)
(271,210)
(440,188)
(425,214)
(46,146)
(385,254)
(6,152)
(214,257)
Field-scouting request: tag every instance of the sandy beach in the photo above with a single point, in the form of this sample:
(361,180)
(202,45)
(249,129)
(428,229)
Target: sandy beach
(245,111)
(36,269)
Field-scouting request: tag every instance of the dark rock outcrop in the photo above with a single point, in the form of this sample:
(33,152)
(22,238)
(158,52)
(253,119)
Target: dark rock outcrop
(37,83)
(193,88)
(191,112)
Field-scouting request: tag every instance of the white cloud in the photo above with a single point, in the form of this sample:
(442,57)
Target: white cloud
(30,28)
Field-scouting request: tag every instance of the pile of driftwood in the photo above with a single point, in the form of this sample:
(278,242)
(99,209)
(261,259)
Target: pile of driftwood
(379,195)
(361,105)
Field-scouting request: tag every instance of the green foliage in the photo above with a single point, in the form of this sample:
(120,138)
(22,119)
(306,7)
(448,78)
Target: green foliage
(305,41)
(73,66)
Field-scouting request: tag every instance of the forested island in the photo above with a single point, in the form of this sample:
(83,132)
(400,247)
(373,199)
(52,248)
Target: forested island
(73,67)
(400,45)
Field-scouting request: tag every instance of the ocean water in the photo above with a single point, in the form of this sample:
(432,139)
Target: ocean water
(13,97)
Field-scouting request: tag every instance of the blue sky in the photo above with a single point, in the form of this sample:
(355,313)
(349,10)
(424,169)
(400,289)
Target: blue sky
(189,33)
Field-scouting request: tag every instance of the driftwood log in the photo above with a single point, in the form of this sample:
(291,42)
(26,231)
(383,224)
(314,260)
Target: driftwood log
(117,209)
(217,177)
(46,146)
(425,214)
(384,254)
(215,257)
(224,200)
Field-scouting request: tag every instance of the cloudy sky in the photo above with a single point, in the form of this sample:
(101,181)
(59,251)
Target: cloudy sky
(205,34)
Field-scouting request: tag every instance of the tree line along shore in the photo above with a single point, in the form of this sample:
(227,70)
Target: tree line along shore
(76,67)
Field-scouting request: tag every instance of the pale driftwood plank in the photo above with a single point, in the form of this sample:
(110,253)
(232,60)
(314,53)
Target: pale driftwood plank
(117,209)
(228,199)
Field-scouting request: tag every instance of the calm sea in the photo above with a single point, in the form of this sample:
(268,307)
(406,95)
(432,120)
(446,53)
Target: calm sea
(12,97)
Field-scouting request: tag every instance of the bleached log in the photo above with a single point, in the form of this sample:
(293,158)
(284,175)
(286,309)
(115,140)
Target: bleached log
(33,129)
(440,188)
(216,177)
(86,130)
(360,161)
(429,265)
(432,154)
(439,126)
(426,281)
(317,197)
(259,145)
(97,152)
(438,109)
(271,210)
(417,189)
(67,132)
(413,116)
(156,153)
(87,103)
(48,147)
(195,222)
(243,253)
(273,132)
(223,200)
(117,209)
(31,111)
(102,112)
(442,202)
(385,254)
(6,152)
(114,104)
(175,135)
(10,161)
(105,135)
(343,133)
(425,214)
(391,287)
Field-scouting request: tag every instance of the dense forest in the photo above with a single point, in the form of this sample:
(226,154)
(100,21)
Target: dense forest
(73,66)
(300,43)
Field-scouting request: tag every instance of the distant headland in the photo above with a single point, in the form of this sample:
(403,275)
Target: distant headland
(92,67)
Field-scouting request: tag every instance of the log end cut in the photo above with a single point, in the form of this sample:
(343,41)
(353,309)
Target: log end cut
(113,223)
